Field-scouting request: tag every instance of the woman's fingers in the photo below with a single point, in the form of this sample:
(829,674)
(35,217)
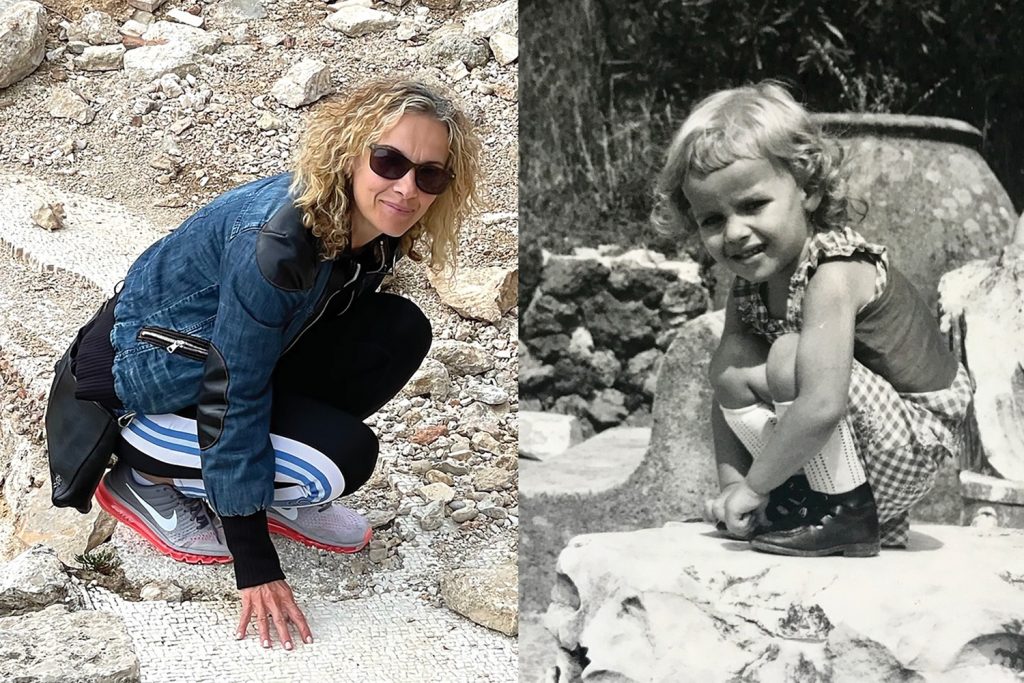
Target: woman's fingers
(243,622)
(296,616)
(281,626)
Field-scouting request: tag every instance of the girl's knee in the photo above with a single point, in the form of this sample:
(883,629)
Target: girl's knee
(358,458)
(781,368)
(737,372)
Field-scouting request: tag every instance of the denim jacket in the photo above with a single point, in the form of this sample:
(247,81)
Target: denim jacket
(207,311)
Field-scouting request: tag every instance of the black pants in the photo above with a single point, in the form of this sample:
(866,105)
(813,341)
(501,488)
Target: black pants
(342,370)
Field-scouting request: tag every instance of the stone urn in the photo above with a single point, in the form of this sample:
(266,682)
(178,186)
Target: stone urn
(931,198)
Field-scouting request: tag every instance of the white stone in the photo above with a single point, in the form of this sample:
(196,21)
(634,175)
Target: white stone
(503,18)
(66,104)
(505,48)
(100,58)
(230,12)
(133,28)
(354,20)
(546,435)
(186,18)
(32,580)
(95,28)
(488,596)
(431,378)
(22,40)
(306,82)
(648,604)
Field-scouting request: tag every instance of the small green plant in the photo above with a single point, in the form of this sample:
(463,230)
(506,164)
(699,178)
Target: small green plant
(103,560)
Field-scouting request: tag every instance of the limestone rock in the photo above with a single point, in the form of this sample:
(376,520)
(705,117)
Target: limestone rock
(66,531)
(100,58)
(95,28)
(67,104)
(71,647)
(504,47)
(437,491)
(355,21)
(503,18)
(432,378)
(461,358)
(649,604)
(450,43)
(171,49)
(306,82)
(168,591)
(22,40)
(981,310)
(566,277)
(491,479)
(488,596)
(31,581)
(49,216)
(479,293)
(232,12)
(547,435)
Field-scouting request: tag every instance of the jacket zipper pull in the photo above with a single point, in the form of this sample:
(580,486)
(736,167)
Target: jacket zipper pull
(175,345)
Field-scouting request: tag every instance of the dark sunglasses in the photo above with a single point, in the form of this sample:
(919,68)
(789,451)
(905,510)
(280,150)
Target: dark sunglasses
(389,163)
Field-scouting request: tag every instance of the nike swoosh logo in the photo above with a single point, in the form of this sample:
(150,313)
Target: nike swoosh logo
(166,523)
(290,513)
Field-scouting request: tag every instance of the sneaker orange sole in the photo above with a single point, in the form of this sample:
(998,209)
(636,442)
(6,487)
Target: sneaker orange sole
(122,514)
(280,529)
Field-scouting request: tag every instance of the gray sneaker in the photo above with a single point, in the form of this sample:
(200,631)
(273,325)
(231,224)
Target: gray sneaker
(328,526)
(173,523)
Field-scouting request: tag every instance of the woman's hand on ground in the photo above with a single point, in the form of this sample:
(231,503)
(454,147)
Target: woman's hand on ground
(743,509)
(274,602)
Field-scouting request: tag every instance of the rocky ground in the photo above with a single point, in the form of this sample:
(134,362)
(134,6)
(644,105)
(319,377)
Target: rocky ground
(444,500)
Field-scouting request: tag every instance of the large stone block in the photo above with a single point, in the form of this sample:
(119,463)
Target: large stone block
(683,604)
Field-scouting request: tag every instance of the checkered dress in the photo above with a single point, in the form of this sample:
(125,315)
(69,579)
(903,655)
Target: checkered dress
(901,437)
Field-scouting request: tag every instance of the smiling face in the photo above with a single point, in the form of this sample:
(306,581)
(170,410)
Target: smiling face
(388,206)
(753,218)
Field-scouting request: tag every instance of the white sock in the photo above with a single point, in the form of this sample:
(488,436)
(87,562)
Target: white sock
(753,426)
(140,480)
(836,468)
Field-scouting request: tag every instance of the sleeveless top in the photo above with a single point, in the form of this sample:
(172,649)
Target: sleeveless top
(896,335)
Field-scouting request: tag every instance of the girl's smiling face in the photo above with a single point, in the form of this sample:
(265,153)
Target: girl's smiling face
(753,218)
(391,207)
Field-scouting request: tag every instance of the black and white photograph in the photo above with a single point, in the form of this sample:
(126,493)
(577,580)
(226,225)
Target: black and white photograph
(772,334)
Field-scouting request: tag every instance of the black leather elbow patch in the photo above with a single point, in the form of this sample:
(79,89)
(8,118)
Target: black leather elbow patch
(286,251)
(213,400)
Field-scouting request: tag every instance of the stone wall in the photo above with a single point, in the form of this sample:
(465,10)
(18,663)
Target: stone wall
(596,327)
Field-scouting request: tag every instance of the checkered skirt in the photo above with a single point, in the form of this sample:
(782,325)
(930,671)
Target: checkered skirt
(901,437)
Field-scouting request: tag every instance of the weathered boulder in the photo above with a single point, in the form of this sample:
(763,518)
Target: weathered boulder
(58,646)
(982,313)
(487,596)
(33,580)
(547,435)
(681,603)
(480,293)
(22,40)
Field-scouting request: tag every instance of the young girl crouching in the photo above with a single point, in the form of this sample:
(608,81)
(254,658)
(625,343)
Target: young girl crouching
(830,362)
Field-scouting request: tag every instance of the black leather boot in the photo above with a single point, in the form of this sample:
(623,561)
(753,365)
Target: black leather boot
(848,526)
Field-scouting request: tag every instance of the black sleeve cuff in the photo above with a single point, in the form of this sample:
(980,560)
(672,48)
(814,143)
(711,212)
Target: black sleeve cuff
(248,539)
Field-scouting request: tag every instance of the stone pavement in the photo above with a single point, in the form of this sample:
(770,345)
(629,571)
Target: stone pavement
(371,622)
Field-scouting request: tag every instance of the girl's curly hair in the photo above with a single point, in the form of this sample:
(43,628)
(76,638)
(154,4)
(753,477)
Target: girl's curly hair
(341,132)
(760,121)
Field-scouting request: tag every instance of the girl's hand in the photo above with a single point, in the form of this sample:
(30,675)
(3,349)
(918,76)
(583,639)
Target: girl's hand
(744,509)
(272,602)
(714,508)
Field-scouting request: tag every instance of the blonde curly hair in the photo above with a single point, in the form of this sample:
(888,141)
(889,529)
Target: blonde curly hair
(340,133)
(760,121)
